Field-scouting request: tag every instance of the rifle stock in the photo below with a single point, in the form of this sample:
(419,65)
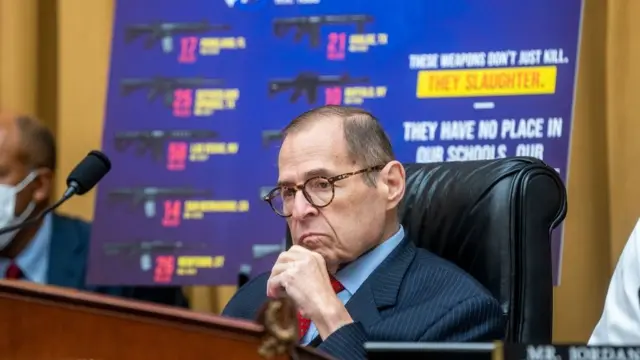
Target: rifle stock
(155,140)
(166,32)
(309,83)
(148,195)
(166,86)
(311,25)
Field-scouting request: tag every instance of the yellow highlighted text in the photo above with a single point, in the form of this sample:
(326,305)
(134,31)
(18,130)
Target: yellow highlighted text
(210,100)
(487,82)
(213,45)
(355,95)
(362,42)
(189,265)
(201,151)
(195,209)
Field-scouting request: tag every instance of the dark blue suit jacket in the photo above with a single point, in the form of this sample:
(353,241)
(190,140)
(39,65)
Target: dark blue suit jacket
(412,296)
(68,257)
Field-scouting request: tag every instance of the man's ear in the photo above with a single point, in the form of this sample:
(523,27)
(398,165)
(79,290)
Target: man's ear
(394,177)
(44,185)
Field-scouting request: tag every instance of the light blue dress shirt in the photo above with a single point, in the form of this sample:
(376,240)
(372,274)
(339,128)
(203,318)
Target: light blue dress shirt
(354,275)
(34,259)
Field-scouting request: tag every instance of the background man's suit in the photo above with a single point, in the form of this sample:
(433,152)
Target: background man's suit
(68,259)
(412,296)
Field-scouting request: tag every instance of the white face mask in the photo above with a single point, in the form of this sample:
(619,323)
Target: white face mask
(8,208)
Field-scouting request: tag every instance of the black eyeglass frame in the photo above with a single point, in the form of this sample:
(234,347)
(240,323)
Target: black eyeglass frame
(331,180)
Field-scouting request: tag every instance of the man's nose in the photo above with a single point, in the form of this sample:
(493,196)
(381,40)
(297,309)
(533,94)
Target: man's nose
(301,207)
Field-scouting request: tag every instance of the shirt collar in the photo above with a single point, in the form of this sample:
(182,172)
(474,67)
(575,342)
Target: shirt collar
(354,275)
(32,260)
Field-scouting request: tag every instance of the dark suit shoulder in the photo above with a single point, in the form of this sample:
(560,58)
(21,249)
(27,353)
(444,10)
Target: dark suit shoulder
(69,222)
(246,302)
(443,277)
(68,251)
(438,301)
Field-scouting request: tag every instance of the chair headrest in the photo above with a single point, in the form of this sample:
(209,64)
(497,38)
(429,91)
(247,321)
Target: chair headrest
(472,213)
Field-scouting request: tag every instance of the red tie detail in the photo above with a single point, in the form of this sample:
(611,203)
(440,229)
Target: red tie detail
(13,272)
(304,323)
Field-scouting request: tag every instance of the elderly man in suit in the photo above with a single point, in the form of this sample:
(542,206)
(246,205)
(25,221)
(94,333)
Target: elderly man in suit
(351,272)
(55,250)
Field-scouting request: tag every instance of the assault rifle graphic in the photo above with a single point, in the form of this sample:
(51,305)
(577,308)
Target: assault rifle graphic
(148,196)
(147,249)
(311,25)
(165,32)
(165,86)
(154,140)
(308,83)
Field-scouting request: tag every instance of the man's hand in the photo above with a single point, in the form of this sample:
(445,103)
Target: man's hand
(302,275)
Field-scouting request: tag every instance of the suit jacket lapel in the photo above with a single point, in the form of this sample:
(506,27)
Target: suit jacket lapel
(380,290)
(67,255)
(386,279)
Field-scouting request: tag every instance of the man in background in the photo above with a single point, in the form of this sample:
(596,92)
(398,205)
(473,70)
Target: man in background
(55,250)
(352,273)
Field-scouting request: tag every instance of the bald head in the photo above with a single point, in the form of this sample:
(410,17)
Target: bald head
(38,143)
(32,143)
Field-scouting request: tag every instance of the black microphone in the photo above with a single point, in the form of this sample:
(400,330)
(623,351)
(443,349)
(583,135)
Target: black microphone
(81,179)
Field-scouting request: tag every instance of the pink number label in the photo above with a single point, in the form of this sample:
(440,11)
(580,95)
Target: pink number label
(333,96)
(172,213)
(165,266)
(182,102)
(336,47)
(177,153)
(188,46)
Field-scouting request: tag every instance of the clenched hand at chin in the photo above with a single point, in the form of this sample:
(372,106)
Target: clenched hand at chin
(302,275)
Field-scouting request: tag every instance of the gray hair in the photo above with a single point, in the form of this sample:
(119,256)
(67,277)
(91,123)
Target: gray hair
(367,143)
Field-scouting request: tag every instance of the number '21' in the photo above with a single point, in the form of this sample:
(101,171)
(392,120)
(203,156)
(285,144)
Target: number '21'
(336,48)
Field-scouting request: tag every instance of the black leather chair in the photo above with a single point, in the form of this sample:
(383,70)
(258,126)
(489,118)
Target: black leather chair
(493,218)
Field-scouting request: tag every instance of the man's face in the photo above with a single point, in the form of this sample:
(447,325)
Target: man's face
(13,168)
(355,220)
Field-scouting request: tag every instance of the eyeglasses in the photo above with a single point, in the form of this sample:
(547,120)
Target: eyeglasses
(319,192)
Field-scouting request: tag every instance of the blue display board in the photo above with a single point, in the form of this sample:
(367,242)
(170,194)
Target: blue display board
(199,89)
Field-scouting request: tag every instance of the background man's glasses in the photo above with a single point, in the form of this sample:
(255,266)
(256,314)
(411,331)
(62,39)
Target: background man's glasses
(319,192)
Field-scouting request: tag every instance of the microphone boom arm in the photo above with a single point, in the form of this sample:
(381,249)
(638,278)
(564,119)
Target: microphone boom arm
(81,179)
